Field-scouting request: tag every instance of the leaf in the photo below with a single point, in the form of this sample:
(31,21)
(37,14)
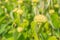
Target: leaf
(11,38)
(3,28)
(55,20)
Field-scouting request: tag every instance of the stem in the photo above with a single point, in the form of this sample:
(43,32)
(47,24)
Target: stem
(35,36)
(34,31)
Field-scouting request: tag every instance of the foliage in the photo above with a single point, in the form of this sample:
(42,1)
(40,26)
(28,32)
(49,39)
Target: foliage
(29,19)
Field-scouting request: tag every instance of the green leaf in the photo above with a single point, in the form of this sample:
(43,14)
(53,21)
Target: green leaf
(55,20)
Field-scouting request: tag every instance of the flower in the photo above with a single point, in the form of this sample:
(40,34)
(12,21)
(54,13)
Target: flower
(20,11)
(7,14)
(19,29)
(6,0)
(0,2)
(35,1)
(52,38)
(51,11)
(20,1)
(14,10)
(56,6)
(40,18)
(2,7)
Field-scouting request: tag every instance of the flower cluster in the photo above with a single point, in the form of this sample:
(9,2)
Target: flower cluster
(40,18)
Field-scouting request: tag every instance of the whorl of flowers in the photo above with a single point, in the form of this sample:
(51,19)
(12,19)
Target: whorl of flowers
(19,11)
(40,18)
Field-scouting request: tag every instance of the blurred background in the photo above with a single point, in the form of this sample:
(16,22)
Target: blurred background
(29,19)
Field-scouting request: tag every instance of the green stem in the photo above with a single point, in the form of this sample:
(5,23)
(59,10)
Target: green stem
(34,31)
(2,19)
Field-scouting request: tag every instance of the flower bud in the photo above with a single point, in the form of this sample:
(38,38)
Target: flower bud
(51,11)
(56,6)
(19,29)
(2,7)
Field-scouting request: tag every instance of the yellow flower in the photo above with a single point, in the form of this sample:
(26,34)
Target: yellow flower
(20,1)
(40,18)
(56,6)
(2,7)
(6,0)
(35,1)
(19,29)
(0,2)
(7,14)
(14,10)
(20,11)
(52,38)
(51,11)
